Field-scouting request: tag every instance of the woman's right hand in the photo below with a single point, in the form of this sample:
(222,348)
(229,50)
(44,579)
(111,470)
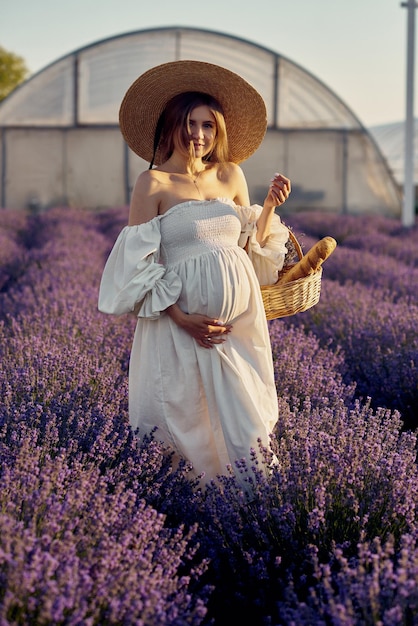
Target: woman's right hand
(207,331)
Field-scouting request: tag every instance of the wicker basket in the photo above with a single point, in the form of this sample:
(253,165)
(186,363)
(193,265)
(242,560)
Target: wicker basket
(282,300)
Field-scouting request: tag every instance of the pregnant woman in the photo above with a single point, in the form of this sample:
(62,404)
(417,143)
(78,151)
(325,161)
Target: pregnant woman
(189,264)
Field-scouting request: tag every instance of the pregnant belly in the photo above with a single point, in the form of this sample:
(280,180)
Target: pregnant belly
(217,286)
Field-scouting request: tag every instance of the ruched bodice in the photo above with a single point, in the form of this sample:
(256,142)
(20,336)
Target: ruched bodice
(193,228)
(210,406)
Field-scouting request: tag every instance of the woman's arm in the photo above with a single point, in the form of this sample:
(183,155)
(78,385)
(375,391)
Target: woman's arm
(278,193)
(144,201)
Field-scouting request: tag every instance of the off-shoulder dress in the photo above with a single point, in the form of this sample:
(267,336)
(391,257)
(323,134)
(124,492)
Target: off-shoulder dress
(210,405)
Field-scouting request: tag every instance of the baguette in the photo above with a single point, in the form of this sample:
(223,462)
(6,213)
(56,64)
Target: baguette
(311,261)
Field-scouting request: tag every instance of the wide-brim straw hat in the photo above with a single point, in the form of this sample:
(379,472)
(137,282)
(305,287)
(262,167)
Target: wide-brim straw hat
(244,109)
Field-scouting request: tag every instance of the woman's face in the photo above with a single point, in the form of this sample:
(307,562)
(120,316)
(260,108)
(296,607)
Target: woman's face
(202,130)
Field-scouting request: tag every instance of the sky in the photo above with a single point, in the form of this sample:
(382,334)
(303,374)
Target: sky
(358,48)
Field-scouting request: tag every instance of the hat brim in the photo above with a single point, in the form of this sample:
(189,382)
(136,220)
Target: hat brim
(244,108)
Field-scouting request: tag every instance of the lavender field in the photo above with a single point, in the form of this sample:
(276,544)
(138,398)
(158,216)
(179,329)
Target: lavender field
(97,528)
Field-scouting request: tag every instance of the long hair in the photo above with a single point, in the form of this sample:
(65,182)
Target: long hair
(173,128)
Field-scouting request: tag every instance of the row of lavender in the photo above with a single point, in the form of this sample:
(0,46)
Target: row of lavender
(97,528)
(369,306)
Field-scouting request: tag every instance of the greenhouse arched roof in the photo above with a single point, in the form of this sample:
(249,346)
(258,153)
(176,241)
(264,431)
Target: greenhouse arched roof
(61,128)
(86,86)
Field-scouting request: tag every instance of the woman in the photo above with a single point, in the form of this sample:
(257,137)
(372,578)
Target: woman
(201,369)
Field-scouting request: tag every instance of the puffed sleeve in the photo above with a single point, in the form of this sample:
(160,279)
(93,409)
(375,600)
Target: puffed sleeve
(267,260)
(133,280)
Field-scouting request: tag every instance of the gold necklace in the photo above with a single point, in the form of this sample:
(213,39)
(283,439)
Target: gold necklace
(193,178)
(194,181)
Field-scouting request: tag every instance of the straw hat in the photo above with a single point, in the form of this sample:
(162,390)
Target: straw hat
(145,100)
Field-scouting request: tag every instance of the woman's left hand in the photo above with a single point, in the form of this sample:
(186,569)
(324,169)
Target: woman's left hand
(279,190)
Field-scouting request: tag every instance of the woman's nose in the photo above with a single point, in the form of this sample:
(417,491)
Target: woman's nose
(197,132)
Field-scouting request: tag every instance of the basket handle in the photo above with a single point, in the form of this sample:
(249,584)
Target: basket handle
(296,244)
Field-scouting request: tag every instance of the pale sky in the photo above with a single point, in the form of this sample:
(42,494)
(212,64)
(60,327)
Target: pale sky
(356,47)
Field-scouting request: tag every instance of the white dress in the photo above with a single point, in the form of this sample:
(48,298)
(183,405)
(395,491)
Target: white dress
(209,405)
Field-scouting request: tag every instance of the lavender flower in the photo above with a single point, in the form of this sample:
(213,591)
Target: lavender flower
(98,527)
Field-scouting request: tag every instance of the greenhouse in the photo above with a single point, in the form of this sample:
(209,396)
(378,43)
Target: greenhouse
(391,140)
(61,144)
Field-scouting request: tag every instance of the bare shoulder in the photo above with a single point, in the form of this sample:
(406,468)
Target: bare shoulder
(228,170)
(237,182)
(145,198)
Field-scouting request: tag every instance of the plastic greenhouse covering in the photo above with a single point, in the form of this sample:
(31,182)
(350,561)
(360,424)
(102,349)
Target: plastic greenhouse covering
(61,128)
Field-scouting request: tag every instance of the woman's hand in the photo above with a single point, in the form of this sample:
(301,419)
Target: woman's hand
(207,331)
(279,191)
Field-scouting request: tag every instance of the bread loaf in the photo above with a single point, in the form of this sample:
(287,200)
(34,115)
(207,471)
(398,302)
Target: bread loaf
(311,261)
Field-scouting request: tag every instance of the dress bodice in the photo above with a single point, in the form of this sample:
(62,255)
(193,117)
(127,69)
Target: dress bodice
(193,228)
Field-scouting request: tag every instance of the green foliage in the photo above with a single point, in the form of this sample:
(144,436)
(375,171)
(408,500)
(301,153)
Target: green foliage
(13,71)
